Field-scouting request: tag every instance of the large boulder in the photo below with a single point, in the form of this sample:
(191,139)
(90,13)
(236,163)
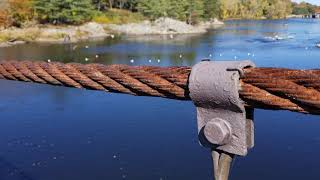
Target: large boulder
(72,33)
(169,26)
(93,29)
(211,24)
(160,26)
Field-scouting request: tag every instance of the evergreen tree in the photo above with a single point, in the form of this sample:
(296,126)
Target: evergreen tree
(154,8)
(99,5)
(64,11)
(211,9)
(178,9)
(132,5)
(195,11)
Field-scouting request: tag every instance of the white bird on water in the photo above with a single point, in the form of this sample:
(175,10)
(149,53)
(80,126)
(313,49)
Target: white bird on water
(49,60)
(86,59)
(159,61)
(150,60)
(132,60)
(86,47)
(97,56)
(180,56)
(112,36)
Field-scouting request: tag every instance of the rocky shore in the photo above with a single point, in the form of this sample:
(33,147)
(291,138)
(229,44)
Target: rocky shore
(52,34)
(94,31)
(164,26)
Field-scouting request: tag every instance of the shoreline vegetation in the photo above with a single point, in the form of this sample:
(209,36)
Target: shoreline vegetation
(96,31)
(58,21)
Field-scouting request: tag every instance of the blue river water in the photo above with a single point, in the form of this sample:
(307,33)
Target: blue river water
(58,133)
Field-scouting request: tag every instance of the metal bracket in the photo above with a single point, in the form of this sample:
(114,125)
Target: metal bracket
(223,123)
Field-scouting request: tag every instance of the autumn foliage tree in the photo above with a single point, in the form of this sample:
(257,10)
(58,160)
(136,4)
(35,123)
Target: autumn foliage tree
(3,14)
(4,18)
(17,12)
(20,11)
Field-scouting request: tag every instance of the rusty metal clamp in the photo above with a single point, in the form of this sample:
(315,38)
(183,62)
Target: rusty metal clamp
(223,123)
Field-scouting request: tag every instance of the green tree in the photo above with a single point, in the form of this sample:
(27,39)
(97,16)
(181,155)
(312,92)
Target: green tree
(132,5)
(154,8)
(64,11)
(185,10)
(194,11)
(210,9)
(303,8)
(178,9)
(100,5)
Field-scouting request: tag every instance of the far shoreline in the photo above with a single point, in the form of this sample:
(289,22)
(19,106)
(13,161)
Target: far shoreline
(93,31)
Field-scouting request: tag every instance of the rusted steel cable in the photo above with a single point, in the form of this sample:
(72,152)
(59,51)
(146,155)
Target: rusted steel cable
(266,88)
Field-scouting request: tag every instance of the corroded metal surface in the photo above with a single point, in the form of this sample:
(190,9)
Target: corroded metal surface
(221,116)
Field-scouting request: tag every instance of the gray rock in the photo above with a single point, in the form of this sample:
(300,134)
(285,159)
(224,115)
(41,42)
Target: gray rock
(161,26)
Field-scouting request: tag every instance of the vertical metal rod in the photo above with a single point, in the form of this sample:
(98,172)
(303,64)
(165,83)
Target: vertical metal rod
(221,164)
(215,159)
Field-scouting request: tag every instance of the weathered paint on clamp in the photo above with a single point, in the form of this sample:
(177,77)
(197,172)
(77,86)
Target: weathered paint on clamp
(222,123)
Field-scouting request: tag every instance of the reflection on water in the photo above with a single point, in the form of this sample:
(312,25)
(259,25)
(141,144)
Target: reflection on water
(50,133)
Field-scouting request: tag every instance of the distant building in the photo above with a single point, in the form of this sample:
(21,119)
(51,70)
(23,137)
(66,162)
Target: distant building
(317,13)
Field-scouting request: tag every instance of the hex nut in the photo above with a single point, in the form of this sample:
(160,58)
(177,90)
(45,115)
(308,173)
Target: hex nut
(218,131)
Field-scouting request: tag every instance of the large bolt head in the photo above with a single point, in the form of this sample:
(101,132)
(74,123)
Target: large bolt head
(218,132)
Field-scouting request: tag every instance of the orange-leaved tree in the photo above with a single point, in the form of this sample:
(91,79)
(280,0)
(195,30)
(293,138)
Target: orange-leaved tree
(4,18)
(20,11)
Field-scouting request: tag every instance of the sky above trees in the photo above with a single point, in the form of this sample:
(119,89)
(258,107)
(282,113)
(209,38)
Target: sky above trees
(317,2)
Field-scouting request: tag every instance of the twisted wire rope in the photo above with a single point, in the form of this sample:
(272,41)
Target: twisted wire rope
(266,88)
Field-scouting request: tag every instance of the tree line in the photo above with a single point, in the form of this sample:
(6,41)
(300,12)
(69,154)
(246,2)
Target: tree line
(194,10)
(304,8)
(16,12)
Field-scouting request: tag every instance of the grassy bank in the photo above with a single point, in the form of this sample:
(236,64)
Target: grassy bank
(52,34)
(34,31)
(26,35)
(118,16)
